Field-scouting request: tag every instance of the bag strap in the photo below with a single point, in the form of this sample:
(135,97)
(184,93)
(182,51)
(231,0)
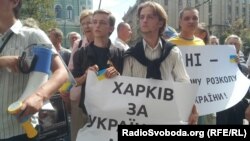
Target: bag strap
(5,41)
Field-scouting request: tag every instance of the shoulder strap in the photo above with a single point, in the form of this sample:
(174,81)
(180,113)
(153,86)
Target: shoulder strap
(5,41)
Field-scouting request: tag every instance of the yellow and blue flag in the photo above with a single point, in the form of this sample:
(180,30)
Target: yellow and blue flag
(101,74)
(65,88)
(233,58)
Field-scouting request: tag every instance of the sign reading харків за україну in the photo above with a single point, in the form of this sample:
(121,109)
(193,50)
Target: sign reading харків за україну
(216,84)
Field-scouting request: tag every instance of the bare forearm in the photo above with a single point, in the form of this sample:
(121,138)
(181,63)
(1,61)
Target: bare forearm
(58,77)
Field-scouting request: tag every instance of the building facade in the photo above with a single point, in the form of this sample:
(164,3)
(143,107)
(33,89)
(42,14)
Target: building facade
(67,14)
(216,14)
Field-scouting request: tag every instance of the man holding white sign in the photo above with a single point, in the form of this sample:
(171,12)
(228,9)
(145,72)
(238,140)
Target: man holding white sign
(153,57)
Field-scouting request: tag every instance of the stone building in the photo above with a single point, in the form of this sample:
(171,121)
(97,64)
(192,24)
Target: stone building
(67,15)
(217,14)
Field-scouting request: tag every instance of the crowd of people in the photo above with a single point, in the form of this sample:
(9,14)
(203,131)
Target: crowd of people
(155,56)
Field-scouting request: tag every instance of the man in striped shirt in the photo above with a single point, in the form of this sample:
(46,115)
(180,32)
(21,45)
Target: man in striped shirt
(153,57)
(13,82)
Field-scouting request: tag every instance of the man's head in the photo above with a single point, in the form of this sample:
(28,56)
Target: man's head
(56,37)
(103,23)
(73,36)
(124,31)
(10,8)
(86,21)
(152,17)
(188,20)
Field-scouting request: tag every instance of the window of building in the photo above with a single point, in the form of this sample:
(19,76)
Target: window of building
(210,7)
(210,20)
(229,10)
(58,11)
(90,2)
(237,12)
(189,3)
(197,2)
(69,12)
(244,11)
(165,2)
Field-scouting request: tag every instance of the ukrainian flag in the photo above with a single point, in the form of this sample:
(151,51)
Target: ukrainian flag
(233,58)
(101,74)
(65,88)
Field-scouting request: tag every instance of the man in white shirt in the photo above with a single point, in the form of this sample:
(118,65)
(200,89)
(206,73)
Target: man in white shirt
(124,34)
(13,83)
(153,57)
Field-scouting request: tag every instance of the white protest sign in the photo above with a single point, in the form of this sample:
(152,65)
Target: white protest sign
(214,69)
(130,101)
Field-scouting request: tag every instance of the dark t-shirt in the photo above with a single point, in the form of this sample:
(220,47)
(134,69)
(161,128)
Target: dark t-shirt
(65,54)
(102,58)
(91,55)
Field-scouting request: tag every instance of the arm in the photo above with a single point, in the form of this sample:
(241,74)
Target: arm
(179,70)
(33,103)
(78,72)
(180,75)
(247,113)
(74,49)
(193,118)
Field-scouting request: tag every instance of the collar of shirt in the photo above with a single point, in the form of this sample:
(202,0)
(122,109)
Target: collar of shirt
(125,47)
(145,45)
(120,40)
(14,28)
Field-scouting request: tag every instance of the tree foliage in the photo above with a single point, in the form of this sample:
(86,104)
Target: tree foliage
(40,10)
(238,27)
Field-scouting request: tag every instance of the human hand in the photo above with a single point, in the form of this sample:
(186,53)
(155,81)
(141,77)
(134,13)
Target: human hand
(31,105)
(10,63)
(94,68)
(111,72)
(193,118)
